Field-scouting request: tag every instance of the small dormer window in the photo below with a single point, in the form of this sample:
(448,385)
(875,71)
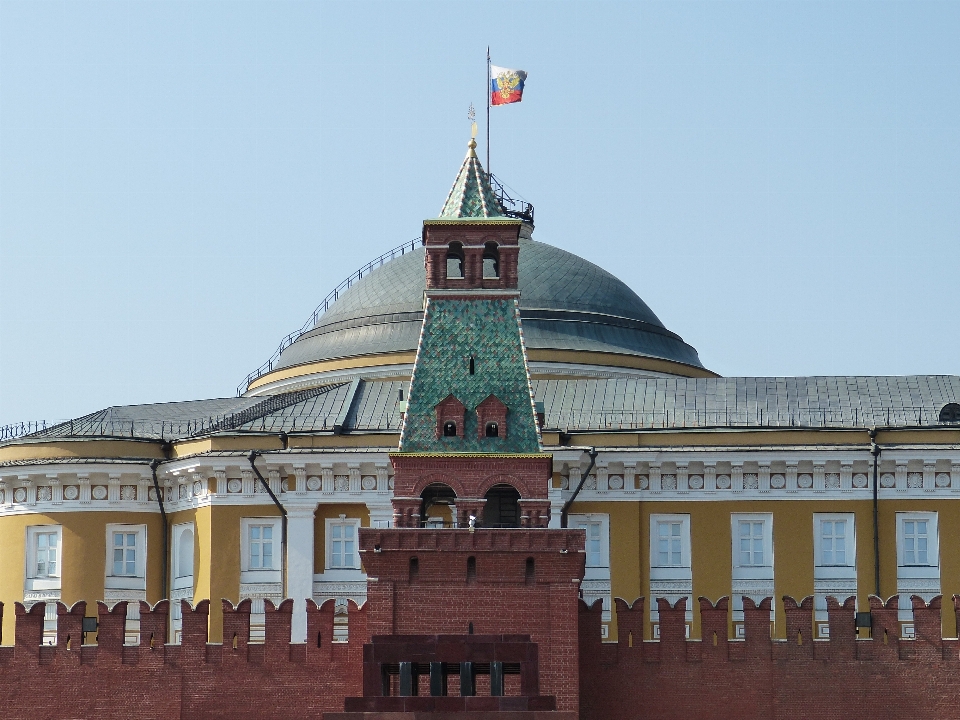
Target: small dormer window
(455,261)
(950,413)
(491,261)
(449,429)
(493,429)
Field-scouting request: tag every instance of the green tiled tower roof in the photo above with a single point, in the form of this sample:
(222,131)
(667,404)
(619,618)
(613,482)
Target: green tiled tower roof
(471,195)
(454,330)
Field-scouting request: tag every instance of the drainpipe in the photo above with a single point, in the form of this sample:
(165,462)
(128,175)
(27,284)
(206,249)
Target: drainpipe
(283,521)
(163,518)
(875,451)
(592,452)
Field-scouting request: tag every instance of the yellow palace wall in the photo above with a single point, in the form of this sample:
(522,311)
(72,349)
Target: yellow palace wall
(83,559)
(793,547)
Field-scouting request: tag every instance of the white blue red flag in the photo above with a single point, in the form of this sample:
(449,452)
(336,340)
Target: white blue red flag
(506,86)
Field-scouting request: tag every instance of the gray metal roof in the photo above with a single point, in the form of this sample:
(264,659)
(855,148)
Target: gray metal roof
(570,405)
(566,303)
(829,401)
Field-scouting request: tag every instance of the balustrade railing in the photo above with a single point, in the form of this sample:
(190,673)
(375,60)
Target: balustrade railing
(329,300)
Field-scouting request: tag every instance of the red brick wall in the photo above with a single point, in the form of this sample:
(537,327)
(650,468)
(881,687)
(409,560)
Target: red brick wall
(714,679)
(842,678)
(192,680)
(501,599)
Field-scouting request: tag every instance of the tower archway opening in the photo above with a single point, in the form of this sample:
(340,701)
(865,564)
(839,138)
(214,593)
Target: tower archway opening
(502,507)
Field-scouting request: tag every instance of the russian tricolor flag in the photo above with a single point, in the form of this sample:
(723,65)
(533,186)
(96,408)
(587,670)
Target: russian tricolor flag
(506,86)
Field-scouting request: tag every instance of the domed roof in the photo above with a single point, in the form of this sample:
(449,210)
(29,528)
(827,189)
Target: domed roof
(566,303)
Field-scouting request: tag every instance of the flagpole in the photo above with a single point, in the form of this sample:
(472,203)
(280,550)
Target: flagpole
(488,109)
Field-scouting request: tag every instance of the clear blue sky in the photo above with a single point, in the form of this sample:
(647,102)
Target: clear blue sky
(181,183)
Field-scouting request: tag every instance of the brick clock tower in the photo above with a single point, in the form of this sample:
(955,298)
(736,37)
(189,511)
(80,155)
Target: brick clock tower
(472,603)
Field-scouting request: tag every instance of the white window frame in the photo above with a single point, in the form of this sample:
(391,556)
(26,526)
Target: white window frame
(596,577)
(260,575)
(601,569)
(766,519)
(178,577)
(758,578)
(670,581)
(915,579)
(47,584)
(839,580)
(670,571)
(850,539)
(138,580)
(342,521)
(933,539)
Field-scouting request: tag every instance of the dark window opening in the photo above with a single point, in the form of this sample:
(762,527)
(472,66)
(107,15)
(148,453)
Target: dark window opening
(472,367)
(449,429)
(493,430)
(436,508)
(502,507)
(491,261)
(455,261)
(531,572)
(950,413)
(471,570)
(414,569)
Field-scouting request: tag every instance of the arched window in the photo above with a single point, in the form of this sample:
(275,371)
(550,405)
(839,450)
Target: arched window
(455,261)
(502,507)
(437,506)
(491,261)
(493,430)
(950,413)
(449,429)
(185,554)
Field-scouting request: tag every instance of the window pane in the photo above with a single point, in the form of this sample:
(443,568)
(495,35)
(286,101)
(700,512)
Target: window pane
(118,539)
(268,532)
(255,532)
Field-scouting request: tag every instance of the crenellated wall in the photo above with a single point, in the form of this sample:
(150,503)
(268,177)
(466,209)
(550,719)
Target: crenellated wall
(716,678)
(195,679)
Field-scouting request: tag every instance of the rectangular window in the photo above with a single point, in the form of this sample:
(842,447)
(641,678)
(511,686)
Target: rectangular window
(593,547)
(342,545)
(918,561)
(671,575)
(916,542)
(834,564)
(752,555)
(47,554)
(125,554)
(261,547)
(751,539)
(596,579)
(669,544)
(833,542)
(41,572)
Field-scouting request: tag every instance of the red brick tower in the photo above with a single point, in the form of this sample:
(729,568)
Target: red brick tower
(472,603)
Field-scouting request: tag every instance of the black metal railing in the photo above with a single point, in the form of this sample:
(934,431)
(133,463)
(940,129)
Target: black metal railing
(15,430)
(520,209)
(329,300)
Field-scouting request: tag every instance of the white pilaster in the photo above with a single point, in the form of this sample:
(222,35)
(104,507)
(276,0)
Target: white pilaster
(299,563)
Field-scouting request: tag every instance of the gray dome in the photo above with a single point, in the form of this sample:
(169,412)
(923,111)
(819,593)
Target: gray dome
(566,303)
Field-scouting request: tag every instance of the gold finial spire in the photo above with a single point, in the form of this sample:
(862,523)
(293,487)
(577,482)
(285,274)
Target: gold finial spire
(472,117)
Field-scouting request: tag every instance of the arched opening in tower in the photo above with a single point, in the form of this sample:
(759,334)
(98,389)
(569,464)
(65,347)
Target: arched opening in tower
(436,506)
(502,509)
